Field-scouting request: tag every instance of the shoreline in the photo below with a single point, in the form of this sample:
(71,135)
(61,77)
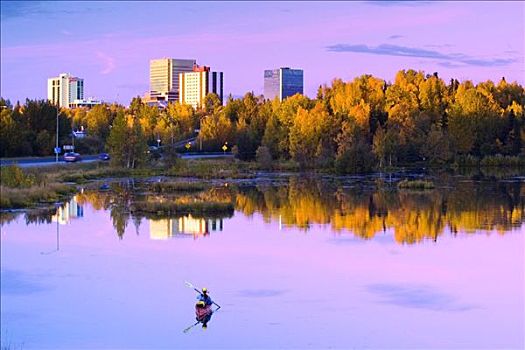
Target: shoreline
(62,182)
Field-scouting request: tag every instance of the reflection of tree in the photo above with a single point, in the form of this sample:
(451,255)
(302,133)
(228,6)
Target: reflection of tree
(413,216)
(40,216)
(119,210)
(7,217)
(98,200)
(32,216)
(124,196)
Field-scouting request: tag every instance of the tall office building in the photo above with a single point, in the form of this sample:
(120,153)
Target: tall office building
(283,82)
(65,89)
(164,77)
(196,85)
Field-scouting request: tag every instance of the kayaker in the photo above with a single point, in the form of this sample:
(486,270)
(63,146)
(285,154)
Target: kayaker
(204,297)
(205,320)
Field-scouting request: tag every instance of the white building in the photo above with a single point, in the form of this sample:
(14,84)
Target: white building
(88,103)
(164,77)
(194,86)
(65,89)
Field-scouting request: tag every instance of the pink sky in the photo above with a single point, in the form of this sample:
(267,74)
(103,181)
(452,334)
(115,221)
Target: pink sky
(109,44)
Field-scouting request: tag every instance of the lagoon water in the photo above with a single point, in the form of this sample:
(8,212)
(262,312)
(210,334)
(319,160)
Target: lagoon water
(300,264)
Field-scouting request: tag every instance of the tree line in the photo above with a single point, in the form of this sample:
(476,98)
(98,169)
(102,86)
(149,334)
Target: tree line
(351,126)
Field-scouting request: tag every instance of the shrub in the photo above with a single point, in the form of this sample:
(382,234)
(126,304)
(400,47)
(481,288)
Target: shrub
(264,158)
(14,176)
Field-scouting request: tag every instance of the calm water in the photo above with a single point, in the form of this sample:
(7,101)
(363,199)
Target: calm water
(300,264)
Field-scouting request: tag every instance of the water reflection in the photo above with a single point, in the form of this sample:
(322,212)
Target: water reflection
(70,210)
(458,207)
(160,229)
(361,207)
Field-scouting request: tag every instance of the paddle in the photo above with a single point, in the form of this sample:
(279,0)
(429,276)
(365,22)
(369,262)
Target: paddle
(198,291)
(190,327)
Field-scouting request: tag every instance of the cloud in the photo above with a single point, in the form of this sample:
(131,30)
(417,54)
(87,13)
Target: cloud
(108,63)
(396,36)
(439,46)
(447,64)
(404,51)
(417,296)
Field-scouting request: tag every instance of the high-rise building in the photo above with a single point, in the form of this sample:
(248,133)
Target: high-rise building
(164,77)
(283,82)
(65,89)
(194,86)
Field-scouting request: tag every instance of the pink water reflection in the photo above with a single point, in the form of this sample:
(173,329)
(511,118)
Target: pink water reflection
(278,288)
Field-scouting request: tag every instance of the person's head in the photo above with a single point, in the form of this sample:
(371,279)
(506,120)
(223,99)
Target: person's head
(200,303)
(204,291)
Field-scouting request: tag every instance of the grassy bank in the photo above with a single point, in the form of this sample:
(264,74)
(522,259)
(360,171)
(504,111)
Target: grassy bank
(177,187)
(173,208)
(416,185)
(22,189)
(194,168)
(12,198)
(213,169)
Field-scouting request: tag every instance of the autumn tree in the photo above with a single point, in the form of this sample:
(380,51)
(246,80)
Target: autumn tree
(310,136)
(126,142)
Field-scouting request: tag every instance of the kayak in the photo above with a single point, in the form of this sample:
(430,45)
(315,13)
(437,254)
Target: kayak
(202,311)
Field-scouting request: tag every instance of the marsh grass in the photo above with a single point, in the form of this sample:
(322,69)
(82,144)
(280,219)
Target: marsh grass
(21,188)
(416,184)
(175,187)
(497,160)
(213,169)
(207,209)
(31,196)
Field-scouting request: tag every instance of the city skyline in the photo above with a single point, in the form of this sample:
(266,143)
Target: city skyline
(334,40)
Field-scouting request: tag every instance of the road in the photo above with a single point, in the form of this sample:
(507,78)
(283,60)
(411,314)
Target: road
(46,161)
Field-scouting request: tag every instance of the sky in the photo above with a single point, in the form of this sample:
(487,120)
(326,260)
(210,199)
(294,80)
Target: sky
(109,44)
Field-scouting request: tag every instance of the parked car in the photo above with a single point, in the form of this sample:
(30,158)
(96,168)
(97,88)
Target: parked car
(72,157)
(103,156)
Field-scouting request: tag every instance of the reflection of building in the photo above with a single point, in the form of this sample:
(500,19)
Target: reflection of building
(282,83)
(70,210)
(162,228)
(65,89)
(192,226)
(194,86)
(166,228)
